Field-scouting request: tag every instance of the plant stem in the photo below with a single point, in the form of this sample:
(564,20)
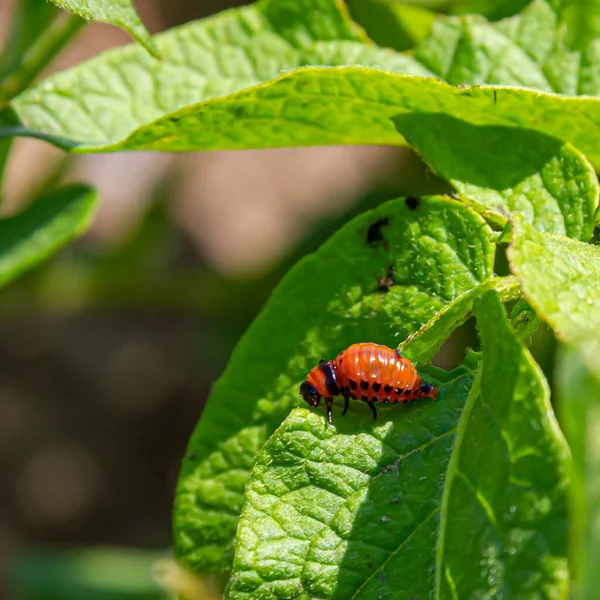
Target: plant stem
(36,59)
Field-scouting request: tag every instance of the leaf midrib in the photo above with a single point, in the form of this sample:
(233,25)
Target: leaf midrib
(449,479)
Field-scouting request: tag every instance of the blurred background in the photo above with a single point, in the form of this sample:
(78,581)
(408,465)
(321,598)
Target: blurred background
(108,351)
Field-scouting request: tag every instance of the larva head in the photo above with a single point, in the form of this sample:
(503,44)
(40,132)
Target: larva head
(309,393)
(316,384)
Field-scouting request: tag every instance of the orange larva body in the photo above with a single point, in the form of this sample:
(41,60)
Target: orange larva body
(368,372)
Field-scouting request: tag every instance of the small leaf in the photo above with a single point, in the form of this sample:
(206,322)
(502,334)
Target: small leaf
(423,345)
(524,321)
(561,279)
(326,302)
(52,221)
(402,508)
(506,170)
(117,12)
(579,402)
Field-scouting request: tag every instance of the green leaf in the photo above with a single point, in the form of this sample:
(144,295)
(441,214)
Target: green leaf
(350,510)
(505,170)
(216,102)
(423,345)
(99,102)
(53,220)
(392,24)
(551,45)
(402,509)
(579,403)
(312,106)
(525,50)
(328,301)
(561,279)
(117,12)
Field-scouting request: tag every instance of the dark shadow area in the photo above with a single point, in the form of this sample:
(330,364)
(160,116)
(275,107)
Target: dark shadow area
(453,350)
(496,157)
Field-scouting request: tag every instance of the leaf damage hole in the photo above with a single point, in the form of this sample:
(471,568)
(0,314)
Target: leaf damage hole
(375,231)
(412,202)
(385,283)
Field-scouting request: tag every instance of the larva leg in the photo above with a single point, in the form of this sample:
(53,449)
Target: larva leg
(346,404)
(373,409)
(328,403)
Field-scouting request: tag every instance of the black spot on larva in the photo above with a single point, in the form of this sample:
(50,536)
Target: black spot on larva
(412,202)
(364,385)
(407,392)
(404,400)
(353,384)
(375,233)
(364,398)
(353,396)
(388,389)
(395,400)
(398,390)
(385,400)
(376,387)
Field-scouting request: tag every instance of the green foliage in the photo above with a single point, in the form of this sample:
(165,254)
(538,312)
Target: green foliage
(326,302)
(194,106)
(340,512)
(349,511)
(463,497)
